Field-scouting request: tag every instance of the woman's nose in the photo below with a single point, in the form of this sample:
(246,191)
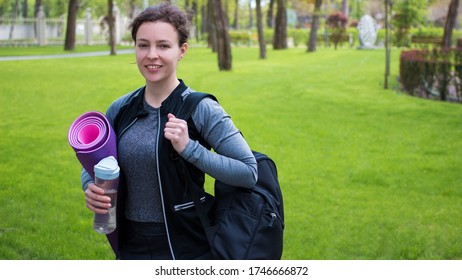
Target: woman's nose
(152,52)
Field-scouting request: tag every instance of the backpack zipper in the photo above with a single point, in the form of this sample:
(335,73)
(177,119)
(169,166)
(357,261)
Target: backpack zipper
(273,218)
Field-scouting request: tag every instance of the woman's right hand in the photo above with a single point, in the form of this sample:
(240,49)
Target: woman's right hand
(96,200)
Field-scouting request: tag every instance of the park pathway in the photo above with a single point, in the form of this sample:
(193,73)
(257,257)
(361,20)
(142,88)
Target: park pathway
(65,55)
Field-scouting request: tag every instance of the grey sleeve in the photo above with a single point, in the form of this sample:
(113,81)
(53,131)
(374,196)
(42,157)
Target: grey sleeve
(86,179)
(233,163)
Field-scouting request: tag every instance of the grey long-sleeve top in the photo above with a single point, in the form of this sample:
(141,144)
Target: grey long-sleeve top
(233,162)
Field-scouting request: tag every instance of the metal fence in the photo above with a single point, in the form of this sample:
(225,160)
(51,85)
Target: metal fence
(43,31)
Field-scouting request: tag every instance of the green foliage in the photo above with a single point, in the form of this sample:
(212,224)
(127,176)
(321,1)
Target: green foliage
(427,32)
(243,37)
(300,36)
(408,14)
(366,173)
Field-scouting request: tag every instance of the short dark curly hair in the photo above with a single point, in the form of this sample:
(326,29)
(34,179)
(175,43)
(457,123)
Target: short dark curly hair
(164,12)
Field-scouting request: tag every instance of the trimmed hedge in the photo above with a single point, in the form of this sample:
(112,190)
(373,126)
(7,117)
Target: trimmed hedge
(433,74)
(298,35)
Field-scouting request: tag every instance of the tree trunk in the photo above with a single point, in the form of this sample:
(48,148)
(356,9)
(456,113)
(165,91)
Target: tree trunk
(25,8)
(111,21)
(205,21)
(261,34)
(195,10)
(280,28)
(236,15)
(314,27)
(223,40)
(250,15)
(211,28)
(15,14)
(346,8)
(450,23)
(269,14)
(131,9)
(387,42)
(37,5)
(69,42)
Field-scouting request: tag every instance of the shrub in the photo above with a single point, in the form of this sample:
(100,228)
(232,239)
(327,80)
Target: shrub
(435,74)
(409,70)
(337,26)
(242,37)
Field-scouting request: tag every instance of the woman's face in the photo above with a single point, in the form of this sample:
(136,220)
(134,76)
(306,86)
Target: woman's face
(157,51)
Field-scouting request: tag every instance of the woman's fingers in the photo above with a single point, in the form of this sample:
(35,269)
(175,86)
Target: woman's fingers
(96,201)
(176,130)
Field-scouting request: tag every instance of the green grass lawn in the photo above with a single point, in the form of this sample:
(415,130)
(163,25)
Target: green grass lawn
(366,173)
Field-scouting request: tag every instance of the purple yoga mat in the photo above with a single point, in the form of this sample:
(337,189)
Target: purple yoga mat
(93,138)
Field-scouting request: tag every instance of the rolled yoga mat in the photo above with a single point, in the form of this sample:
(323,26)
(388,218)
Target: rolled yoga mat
(93,138)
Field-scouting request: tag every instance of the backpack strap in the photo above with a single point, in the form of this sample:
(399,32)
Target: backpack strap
(188,107)
(190,102)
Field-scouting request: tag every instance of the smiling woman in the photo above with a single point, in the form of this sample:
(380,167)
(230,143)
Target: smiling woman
(155,149)
(157,54)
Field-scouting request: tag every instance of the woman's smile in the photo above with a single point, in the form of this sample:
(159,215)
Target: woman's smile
(153,67)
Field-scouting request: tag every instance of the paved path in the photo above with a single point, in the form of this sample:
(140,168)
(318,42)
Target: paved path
(65,55)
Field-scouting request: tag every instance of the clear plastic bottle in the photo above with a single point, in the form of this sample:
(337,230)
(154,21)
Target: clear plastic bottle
(107,178)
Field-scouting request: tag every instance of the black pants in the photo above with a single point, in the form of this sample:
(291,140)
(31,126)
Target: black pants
(144,241)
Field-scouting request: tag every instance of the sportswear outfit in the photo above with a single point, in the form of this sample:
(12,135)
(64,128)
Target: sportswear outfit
(156,217)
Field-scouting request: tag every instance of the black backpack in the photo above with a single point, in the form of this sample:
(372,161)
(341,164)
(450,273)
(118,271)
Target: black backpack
(247,223)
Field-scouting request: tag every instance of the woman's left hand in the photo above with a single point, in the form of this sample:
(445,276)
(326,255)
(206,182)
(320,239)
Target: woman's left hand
(176,130)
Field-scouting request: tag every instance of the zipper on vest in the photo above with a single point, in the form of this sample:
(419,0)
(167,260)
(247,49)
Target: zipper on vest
(126,128)
(160,184)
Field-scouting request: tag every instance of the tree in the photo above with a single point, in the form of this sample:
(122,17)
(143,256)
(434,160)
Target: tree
(407,13)
(250,15)
(209,23)
(388,7)
(131,9)
(269,14)
(37,5)
(236,15)
(69,42)
(111,22)
(261,35)
(25,8)
(314,26)
(346,8)
(337,25)
(15,13)
(195,14)
(280,28)
(450,23)
(222,36)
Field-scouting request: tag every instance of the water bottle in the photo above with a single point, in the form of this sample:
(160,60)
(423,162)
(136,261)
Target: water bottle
(107,178)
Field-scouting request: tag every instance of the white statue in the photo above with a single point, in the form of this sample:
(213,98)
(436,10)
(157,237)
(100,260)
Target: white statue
(367,28)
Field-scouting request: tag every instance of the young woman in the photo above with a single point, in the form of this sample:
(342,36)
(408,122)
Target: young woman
(156,218)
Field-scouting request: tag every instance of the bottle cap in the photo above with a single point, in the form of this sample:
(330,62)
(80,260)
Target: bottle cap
(107,168)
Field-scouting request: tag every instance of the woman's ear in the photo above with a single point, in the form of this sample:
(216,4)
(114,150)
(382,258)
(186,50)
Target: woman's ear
(183,50)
